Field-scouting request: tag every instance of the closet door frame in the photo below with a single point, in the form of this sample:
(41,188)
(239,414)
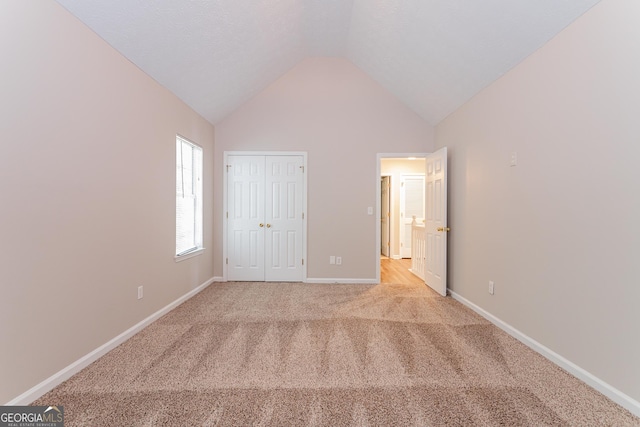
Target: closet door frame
(225,201)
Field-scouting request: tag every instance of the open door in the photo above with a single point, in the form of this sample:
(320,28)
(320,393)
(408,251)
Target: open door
(436,221)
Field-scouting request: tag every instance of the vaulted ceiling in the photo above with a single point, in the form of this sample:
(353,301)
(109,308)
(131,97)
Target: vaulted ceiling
(432,54)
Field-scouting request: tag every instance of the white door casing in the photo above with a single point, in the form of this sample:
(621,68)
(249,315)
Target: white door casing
(412,203)
(436,221)
(264,233)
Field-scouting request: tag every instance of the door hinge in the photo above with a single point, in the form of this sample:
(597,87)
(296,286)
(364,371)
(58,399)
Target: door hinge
(302,261)
(302,215)
(227,261)
(302,167)
(227,215)
(228,166)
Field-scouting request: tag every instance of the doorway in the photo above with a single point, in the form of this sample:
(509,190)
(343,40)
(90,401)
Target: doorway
(395,169)
(434,259)
(264,223)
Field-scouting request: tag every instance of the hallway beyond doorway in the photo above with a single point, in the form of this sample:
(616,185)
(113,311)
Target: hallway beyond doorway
(397,271)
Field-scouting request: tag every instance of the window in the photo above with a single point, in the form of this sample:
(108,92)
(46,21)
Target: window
(188,199)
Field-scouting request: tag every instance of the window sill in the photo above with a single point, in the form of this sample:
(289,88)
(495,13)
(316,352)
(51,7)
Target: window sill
(189,255)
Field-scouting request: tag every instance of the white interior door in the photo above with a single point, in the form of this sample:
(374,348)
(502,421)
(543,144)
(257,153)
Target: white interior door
(245,226)
(385,215)
(436,221)
(265,218)
(412,194)
(284,218)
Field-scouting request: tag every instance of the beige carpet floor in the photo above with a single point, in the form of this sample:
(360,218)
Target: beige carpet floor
(280,354)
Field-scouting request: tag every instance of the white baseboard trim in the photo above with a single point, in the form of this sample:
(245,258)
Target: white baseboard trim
(611,392)
(59,377)
(396,257)
(340,281)
(218,279)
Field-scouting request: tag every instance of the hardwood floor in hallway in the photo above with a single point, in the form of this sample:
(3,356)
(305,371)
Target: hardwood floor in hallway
(397,271)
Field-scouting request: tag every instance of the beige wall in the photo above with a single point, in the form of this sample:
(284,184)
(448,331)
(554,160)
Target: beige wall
(395,168)
(558,233)
(88,194)
(342,118)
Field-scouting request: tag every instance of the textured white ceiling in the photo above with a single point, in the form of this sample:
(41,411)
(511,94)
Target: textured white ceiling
(432,54)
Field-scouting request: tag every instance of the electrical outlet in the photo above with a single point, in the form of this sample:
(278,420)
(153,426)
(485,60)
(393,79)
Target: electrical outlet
(338,260)
(332,259)
(491,287)
(140,293)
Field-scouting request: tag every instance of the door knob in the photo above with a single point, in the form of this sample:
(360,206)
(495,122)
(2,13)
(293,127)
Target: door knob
(444,229)
(261,225)
(268,225)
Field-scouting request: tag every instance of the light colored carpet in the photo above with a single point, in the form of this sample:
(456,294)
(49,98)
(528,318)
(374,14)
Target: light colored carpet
(335,355)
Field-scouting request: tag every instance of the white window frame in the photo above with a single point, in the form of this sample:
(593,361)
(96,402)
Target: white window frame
(196,178)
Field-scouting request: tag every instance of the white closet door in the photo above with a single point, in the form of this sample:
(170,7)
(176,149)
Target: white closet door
(245,232)
(265,218)
(283,216)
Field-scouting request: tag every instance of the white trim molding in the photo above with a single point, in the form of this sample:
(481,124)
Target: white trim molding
(342,281)
(588,378)
(59,377)
(180,258)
